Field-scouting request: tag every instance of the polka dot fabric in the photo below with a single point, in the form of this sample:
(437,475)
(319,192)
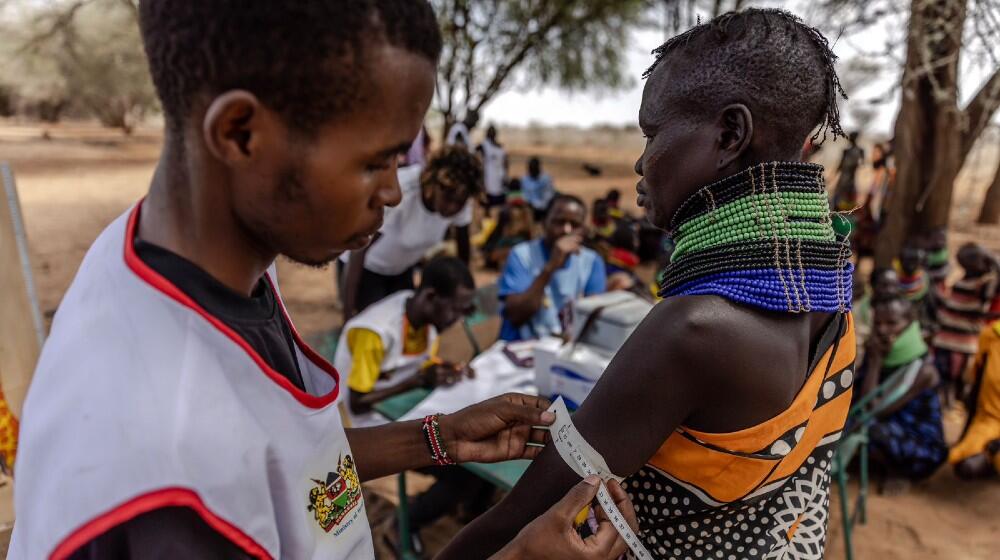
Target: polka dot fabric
(760,493)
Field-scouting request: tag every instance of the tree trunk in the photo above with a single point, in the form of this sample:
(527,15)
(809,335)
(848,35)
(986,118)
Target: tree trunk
(990,213)
(928,132)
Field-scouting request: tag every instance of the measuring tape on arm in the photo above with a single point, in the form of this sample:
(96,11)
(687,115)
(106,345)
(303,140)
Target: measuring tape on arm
(586,461)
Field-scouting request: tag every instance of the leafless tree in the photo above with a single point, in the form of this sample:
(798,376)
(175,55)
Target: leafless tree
(489,44)
(934,133)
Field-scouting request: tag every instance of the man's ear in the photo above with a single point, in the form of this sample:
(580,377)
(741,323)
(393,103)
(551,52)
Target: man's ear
(735,133)
(232,126)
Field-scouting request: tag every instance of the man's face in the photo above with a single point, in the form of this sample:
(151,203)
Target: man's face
(446,311)
(680,155)
(311,199)
(565,218)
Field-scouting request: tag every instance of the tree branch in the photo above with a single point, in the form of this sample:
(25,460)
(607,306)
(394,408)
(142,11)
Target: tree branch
(980,110)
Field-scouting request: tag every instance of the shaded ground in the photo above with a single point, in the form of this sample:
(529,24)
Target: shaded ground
(74,184)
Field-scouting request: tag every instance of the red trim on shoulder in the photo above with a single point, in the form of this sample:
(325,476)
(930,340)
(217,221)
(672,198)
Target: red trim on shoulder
(157,499)
(154,279)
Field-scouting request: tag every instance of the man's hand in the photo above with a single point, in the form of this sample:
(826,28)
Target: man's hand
(496,430)
(564,247)
(553,536)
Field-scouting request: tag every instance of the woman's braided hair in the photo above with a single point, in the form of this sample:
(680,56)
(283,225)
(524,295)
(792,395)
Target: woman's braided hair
(767,58)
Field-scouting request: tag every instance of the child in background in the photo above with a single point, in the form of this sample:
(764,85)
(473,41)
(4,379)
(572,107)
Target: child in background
(907,440)
(883,283)
(537,188)
(914,284)
(936,247)
(515,224)
(976,454)
(601,221)
(962,313)
(613,200)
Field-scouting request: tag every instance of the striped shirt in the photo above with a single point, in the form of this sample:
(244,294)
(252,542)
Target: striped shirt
(963,311)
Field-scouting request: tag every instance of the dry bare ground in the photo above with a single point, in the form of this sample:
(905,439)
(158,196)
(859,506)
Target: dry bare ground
(80,178)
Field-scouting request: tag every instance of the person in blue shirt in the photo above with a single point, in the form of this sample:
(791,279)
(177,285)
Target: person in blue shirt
(542,277)
(537,188)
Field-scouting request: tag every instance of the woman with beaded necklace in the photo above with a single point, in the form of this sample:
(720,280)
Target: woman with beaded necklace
(723,409)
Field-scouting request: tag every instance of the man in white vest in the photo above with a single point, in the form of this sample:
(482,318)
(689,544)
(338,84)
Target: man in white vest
(391,347)
(175,412)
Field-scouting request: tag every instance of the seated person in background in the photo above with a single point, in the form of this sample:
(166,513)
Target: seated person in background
(391,347)
(621,258)
(907,439)
(977,454)
(936,248)
(537,188)
(602,224)
(915,284)
(884,282)
(435,198)
(542,277)
(613,200)
(515,225)
(962,313)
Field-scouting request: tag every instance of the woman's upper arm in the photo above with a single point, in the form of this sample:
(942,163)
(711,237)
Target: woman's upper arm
(642,397)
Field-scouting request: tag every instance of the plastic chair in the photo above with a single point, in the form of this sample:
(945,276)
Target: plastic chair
(855,440)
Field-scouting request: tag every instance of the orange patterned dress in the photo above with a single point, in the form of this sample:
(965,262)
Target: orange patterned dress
(761,492)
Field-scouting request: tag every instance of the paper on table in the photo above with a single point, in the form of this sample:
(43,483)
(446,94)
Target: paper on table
(495,375)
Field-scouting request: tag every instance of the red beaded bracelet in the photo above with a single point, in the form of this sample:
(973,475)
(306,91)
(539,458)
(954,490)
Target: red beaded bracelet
(432,433)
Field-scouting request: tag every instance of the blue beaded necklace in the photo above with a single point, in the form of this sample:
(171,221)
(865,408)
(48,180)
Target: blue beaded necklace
(764,237)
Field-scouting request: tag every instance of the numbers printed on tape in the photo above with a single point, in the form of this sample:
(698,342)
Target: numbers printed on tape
(586,461)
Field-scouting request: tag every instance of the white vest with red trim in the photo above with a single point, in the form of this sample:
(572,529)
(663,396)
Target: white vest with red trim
(387,319)
(142,400)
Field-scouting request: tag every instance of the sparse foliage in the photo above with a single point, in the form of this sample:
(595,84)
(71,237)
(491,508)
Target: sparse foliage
(490,44)
(942,41)
(83,56)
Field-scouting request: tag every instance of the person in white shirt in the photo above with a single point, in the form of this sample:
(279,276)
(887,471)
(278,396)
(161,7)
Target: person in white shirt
(175,411)
(494,169)
(391,347)
(460,133)
(435,198)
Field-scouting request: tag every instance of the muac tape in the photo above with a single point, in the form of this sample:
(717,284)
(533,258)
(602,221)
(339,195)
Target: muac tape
(586,461)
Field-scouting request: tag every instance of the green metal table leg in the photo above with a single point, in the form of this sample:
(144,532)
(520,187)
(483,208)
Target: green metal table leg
(476,350)
(403,512)
(845,513)
(863,490)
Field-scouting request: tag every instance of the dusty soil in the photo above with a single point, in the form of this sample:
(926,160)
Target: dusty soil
(80,178)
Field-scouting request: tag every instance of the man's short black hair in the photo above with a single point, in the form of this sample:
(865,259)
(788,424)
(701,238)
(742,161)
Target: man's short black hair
(767,59)
(445,275)
(565,198)
(303,58)
(453,167)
